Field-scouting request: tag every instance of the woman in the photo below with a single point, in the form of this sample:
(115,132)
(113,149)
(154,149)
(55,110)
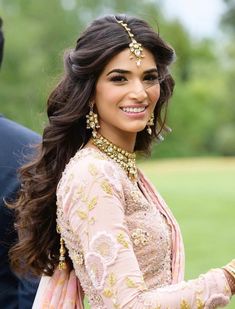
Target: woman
(86,214)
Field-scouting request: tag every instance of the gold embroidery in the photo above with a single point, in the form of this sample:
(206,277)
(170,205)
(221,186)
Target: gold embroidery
(108,292)
(121,240)
(92,203)
(184,305)
(199,304)
(130,283)
(105,245)
(103,248)
(112,279)
(140,237)
(106,187)
(82,214)
(135,196)
(111,292)
(78,258)
(79,193)
(92,169)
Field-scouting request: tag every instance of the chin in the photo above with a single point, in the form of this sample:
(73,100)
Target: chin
(139,129)
(135,128)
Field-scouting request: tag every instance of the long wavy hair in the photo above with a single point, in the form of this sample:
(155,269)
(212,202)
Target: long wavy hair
(37,249)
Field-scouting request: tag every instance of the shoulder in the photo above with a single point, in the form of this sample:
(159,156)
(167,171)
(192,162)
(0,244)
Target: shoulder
(16,143)
(15,130)
(90,165)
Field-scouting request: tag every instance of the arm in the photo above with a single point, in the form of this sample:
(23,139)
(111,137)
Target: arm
(94,207)
(14,146)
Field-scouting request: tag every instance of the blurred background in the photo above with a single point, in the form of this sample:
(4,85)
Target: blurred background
(202,111)
(195,166)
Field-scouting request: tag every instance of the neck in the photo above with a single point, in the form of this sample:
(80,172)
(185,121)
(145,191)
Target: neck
(124,140)
(123,157)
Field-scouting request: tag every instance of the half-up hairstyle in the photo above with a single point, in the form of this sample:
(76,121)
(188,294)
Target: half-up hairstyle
(38,247)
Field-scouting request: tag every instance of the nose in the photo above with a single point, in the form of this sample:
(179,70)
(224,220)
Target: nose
(138,92)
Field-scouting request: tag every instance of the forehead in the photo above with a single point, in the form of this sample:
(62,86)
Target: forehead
(122,60)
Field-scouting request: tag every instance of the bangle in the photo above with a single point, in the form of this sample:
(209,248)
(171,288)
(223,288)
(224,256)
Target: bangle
(230,280)
(230,271)
(230,267)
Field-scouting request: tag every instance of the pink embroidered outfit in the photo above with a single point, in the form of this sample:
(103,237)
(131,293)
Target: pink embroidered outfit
(125,245)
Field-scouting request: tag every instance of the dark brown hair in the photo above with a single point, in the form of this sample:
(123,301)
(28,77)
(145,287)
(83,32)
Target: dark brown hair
(38,246)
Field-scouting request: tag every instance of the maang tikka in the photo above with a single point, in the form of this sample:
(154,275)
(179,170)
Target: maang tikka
(150,123)
(92,120)
(136,49)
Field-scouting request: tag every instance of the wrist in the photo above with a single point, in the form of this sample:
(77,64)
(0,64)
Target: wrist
(230,276)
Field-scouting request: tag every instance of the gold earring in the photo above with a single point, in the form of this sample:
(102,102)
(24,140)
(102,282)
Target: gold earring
(92,121)
(62,262)
(150,123)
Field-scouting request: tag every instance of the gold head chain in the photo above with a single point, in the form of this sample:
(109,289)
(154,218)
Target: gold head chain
(135,47)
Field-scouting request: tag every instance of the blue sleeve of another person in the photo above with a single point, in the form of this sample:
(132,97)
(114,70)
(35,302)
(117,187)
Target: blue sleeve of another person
(15,142)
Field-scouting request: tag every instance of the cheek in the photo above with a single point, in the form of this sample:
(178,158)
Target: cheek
(154,94)
(108,96)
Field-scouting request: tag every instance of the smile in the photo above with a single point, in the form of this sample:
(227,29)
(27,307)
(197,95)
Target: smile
(133,109)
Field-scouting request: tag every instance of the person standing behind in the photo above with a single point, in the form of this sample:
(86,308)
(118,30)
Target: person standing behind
(1,42)
(14,147)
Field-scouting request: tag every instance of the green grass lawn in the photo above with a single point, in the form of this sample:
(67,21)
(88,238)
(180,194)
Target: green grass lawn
(201,194)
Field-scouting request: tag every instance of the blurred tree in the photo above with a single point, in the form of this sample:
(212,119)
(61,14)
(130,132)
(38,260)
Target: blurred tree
(37,32)
(225,133)
(228,19)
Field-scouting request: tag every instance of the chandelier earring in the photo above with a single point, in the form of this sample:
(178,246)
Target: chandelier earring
(62,261)
(150,123)
(92,120)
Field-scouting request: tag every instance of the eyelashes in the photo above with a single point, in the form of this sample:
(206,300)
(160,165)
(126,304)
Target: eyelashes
(149,78)
(152,78)
(118,78)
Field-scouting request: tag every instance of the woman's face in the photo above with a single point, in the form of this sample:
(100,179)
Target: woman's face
(126,94)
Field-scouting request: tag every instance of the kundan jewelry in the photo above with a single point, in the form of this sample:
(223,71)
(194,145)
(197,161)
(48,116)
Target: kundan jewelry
(92,121)
(124,158)
(62,262)
(136,49)
(150,123)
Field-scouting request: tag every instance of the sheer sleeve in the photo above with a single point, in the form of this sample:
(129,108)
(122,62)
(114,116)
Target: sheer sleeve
(93,203)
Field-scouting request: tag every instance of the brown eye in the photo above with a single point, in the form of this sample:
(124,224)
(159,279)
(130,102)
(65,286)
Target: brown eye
(153,78)
(118,78)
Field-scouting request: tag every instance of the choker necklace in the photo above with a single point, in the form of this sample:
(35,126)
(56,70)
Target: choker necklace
(124,158)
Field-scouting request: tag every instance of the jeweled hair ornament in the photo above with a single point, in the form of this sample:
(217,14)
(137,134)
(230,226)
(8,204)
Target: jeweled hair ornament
(135,47)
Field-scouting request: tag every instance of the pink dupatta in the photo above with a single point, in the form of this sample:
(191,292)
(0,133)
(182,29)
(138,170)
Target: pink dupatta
(63,290)
(60,291)
(178,258)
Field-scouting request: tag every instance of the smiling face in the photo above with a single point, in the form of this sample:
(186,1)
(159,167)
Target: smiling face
(126,95)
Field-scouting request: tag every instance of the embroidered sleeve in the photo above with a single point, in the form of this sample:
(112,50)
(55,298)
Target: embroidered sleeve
(93,203)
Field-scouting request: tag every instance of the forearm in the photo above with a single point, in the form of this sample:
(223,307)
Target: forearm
(208,291)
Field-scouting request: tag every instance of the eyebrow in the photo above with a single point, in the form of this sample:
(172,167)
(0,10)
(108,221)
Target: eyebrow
(121,71)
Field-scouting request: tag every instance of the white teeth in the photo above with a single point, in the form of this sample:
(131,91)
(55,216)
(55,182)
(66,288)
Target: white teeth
(133,109)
